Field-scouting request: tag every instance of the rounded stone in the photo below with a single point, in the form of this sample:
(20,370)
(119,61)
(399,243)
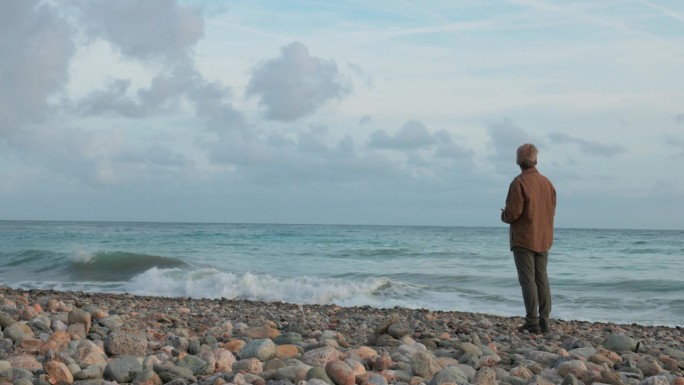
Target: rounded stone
(262,349)
(287,351)
(541,357)
(293,373)
(398,329)
(320,356)
(224,360)
(126,342)
(234,346)
(249,365)
(575,367)
(319,373)
(340,373)
(451,374)
(649,366)
(123,369)
(620,343)
(375,379)
(58,373)
(485,376)
(262,332)
(356,366)
(147,377)
(80,316)
(28,362)
(382,328)
(288,338)
(424,365)
(6,320)
(18,330)
(92,372)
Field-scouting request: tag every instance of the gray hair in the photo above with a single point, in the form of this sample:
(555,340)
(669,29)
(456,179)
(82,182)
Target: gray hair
(527,156)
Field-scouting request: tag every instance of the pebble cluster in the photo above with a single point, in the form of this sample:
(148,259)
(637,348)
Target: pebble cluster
(50,337)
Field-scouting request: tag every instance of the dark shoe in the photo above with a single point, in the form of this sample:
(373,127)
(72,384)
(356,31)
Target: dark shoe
(530,327)
(544,325)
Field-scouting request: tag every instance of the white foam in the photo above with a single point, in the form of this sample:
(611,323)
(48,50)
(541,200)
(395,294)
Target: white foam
(211,283)
(82,256)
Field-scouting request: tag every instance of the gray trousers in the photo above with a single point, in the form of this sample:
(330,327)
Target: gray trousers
(534,282)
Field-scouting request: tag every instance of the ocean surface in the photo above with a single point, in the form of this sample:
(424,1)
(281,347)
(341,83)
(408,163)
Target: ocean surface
(624,276)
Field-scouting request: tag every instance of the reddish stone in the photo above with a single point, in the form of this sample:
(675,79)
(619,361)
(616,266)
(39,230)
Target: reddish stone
(28,362)
(30,345)
(57,341)
(340,373)
(234,346)
(58,373)
(382,363)
(286,351)
(28,312)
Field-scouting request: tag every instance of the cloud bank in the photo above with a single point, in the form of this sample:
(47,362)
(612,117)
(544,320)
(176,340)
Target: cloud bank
(184,106)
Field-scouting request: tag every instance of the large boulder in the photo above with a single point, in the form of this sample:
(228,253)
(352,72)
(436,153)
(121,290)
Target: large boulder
(620,343)
(124,342)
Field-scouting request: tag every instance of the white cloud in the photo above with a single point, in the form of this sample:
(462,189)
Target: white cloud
(506,137)
(295,84)
(412,135)
(151,29)
(36,47)
(586,146)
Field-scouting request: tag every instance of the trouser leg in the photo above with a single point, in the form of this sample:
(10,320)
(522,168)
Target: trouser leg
(524,264)
(542,283)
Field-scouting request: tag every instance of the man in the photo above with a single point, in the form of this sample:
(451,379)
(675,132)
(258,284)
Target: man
(530,208)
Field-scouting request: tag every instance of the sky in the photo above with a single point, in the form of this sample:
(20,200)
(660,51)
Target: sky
(340,112)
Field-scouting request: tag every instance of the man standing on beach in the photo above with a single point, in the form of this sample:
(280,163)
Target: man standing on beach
(530,208)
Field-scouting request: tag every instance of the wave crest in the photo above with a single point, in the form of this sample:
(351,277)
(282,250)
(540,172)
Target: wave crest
(211,283)
(116,265)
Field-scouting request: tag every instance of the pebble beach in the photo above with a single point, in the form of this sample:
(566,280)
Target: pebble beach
(53,337)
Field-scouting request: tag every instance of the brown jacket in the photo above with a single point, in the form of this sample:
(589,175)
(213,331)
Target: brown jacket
(530,208)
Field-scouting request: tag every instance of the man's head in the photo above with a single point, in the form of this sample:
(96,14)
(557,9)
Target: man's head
(526,156)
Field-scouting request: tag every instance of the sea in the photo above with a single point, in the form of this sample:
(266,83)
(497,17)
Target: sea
(596,275)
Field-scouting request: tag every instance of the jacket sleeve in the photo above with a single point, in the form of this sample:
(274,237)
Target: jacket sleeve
(515,202)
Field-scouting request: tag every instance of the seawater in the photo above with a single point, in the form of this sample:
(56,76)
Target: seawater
(623,276)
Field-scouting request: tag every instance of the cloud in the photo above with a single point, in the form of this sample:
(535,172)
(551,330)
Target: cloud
(449,149)
(676,142)
(586,146)
(158,157)
(150,31)
(145,30)
(165,94)
(111,100)
(679,118)
(365,120)
(412,135)
(506,137)
(36,48)
(70,153)
(295,84)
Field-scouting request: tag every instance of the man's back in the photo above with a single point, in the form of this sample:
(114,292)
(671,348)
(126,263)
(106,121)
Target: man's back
(530,210)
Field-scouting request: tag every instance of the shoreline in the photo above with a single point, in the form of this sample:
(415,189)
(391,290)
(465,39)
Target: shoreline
(171,331)
(256,303)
